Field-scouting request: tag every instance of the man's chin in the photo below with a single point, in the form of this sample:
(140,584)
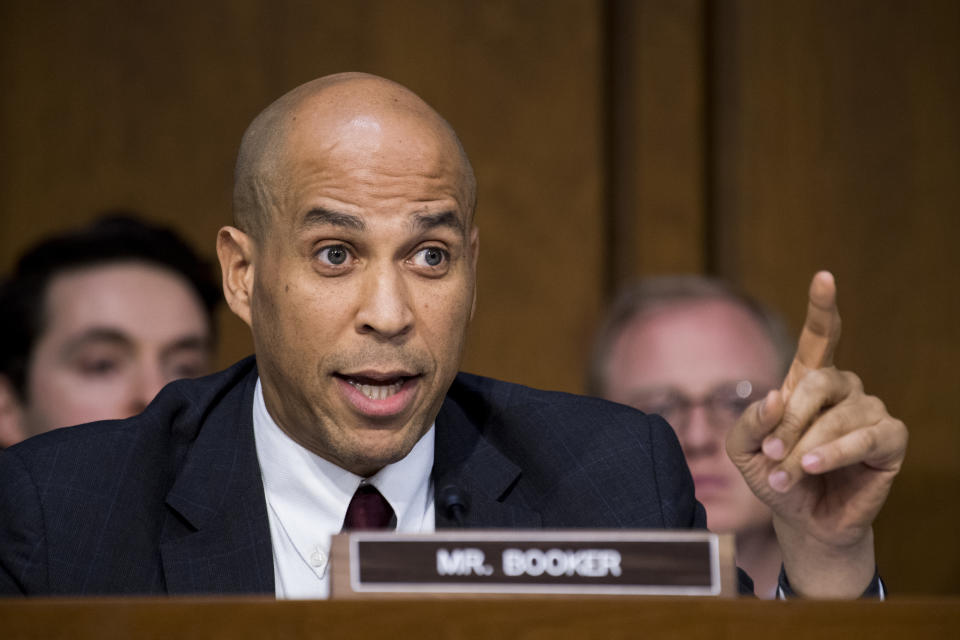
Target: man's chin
(377,449)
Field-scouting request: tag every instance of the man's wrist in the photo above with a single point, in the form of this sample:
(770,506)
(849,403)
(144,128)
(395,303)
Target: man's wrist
(876,589)
(820,570)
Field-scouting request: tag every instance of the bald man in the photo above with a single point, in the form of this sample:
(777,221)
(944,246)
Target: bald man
(353,260)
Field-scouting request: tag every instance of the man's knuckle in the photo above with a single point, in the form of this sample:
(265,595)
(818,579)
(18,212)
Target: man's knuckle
(853,381)
(818,380)
(868,439)
(875,406)
(791,425)
(900,433)
(842,421)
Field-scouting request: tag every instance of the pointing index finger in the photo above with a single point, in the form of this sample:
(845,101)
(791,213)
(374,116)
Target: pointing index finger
(821,331)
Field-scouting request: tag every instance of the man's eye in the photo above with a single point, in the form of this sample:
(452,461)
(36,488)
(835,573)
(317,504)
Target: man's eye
(431,257)
(665,409)
(335,255)
(98,366)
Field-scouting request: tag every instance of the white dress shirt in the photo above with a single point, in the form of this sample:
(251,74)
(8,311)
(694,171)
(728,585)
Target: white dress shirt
(307,498)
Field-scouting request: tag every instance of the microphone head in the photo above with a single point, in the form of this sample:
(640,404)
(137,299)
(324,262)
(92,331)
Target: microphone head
(452,500)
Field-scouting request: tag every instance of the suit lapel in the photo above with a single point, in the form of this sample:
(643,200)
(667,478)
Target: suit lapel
(482,475)
(216,535)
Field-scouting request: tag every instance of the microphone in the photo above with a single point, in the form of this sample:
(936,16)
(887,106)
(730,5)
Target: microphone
(453,503)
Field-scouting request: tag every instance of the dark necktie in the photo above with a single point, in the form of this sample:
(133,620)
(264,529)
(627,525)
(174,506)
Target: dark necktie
(368,510)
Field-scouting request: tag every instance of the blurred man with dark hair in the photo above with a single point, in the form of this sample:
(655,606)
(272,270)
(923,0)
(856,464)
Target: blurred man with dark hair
(698,352)
(96,320)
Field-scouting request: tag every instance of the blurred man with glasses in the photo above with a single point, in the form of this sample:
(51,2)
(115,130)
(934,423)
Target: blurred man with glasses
(698,353)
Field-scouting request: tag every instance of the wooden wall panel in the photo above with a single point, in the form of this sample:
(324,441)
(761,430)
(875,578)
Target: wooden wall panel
(838,146)
(110,103)
(659,137)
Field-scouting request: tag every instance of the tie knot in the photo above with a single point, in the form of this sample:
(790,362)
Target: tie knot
(368,510)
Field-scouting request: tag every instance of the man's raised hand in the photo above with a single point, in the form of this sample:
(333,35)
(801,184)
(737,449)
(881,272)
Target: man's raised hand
(822,455)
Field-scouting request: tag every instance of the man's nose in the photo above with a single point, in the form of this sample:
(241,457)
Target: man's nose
(150,378)
(700,437)
(385,308)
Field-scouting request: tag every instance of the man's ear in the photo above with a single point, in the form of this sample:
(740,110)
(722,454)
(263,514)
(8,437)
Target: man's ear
(236,252)
(12,428)
(474,255)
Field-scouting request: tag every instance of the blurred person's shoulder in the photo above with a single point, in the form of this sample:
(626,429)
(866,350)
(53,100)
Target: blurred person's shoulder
(168,425)
(524,420)
(575,461)
(526,407)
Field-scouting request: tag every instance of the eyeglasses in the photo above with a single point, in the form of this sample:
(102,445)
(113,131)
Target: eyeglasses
(723,404)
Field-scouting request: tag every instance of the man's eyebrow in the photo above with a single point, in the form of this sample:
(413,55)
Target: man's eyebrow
(188,343)
(427,221)
(318,216)
(96,335)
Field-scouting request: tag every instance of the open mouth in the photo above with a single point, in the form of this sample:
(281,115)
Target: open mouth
(380,395)
(378,387)
(376,390)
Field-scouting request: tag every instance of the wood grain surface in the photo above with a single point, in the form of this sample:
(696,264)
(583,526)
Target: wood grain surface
(554,619)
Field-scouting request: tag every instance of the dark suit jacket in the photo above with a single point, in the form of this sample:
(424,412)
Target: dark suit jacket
(171,500)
